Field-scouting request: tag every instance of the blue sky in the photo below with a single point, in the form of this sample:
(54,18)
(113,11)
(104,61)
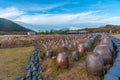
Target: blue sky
(61,11)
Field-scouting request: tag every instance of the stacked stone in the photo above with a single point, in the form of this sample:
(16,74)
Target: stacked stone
(114,71)
(34,69)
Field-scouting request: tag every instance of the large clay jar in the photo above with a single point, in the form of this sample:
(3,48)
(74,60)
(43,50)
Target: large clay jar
(104,51)
(92,40)
(95,64)
(107,42)
(76,55)
(87,45)
(49,53)
(64,49)
(81,48)
(62,60)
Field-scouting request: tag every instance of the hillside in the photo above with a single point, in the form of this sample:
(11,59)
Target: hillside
(106,28)
(9,26)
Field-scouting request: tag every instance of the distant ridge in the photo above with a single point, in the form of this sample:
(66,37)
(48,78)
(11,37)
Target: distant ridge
(48,27)
(107,28)
(9,26)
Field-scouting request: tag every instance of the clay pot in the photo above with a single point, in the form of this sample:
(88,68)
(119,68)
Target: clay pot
(104,51)
(64,49)
(49,53)
(76,55)
(87,45)
(95,63)
(110,46)
(92,40)
(107,42)
(81,48)
(71,46)
(62,60)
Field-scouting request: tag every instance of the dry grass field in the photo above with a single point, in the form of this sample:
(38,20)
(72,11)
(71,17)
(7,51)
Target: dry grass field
(13,61)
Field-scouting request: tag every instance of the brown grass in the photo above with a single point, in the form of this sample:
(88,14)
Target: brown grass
(13,61)
(76,70)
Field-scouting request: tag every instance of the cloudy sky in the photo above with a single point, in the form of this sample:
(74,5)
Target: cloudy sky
(61,11)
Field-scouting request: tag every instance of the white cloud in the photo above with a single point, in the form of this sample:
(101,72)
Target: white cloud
(55,18)
(111,20)
(10,12)
(44,7)
(36,7)
(16,14)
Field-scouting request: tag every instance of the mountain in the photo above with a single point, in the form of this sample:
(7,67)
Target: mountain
(9,26)
(107,28)
(59,26)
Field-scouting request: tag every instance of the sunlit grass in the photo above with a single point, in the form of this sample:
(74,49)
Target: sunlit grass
(13,61)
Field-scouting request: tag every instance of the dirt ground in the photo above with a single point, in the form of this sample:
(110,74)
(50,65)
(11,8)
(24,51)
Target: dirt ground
(13,61)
